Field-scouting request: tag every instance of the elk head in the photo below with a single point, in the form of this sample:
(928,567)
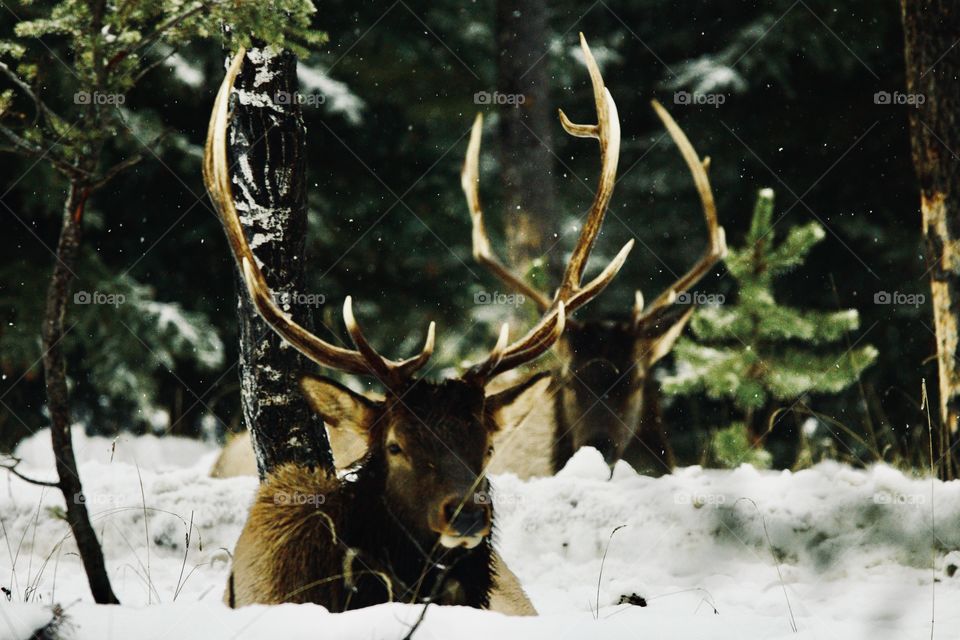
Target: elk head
(428,442)
(605,363)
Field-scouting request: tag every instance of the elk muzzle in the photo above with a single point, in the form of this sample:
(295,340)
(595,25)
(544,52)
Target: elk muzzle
(462,521)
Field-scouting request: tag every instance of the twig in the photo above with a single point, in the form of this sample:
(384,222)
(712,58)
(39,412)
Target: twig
(441,579)
(12,468)
(146,531)
(603,560)
(776,562)
(27,89)
(925,404)
(125,164)
(184,563)
(153,65)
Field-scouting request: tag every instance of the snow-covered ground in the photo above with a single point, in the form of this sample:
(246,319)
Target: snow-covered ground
(849,552)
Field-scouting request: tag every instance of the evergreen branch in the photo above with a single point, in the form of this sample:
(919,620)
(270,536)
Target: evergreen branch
(39,104)
(23,146)
(127,163)
(159,32)
(153,65)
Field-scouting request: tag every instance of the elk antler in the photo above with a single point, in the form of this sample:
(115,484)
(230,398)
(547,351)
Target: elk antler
(216,175)
(717,243)
(571,294)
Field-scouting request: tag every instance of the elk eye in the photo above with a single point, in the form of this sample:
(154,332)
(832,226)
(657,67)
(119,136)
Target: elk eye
(393,448)
(490,450)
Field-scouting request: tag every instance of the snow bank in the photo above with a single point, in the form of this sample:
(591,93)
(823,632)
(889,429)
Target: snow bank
(854,549)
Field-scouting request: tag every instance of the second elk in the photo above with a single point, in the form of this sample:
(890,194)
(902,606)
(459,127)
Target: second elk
(603,394)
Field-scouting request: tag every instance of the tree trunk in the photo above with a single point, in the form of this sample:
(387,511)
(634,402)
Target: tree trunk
(525,135)
(267,148)
(931,30)
(58,397)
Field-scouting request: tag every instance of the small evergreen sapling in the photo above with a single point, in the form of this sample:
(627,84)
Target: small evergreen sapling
(758,353)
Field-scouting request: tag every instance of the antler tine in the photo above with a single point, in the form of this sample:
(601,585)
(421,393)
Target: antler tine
(607,133)
(384,368)
(571,294)
(484,370)
(469,182)
(216,176)
(717,243)
(534,348)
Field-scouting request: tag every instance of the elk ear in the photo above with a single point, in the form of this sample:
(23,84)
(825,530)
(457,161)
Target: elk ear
(512,405)
(340,407)
(660,331)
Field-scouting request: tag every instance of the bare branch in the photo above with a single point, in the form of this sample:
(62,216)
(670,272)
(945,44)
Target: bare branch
(11,466)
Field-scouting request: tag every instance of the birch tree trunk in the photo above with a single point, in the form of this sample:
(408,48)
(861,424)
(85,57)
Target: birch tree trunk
(931,31)
(266,148)
(525,132)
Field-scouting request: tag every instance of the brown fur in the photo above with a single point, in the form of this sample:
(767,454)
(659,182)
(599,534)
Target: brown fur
(363,540)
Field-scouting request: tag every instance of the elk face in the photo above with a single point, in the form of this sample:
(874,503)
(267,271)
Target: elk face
(606,366)
(430,444)
(600,400)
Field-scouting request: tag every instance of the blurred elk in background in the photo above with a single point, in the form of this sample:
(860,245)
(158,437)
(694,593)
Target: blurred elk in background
(412,520)
(603,393)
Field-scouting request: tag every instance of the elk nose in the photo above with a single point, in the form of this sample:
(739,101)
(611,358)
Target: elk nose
(605,446)
(466,516)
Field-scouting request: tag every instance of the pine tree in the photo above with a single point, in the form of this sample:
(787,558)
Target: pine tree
(756,352)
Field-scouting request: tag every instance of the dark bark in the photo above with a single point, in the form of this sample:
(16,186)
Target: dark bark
(525,133)
(268,157)
(931,31)
(58,397)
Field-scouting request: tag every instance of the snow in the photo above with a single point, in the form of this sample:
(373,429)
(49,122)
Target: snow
(705,548)
(339,99)
(185,71)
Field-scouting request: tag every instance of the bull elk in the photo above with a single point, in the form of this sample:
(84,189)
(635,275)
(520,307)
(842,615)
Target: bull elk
(600,388)
(412,520)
